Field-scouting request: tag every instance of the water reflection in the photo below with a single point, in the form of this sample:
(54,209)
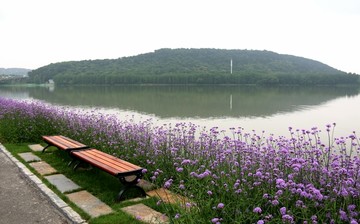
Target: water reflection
(14,92)
(193,101)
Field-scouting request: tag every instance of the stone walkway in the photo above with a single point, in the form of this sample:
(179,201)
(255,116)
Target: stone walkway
(92,205)
(25,199)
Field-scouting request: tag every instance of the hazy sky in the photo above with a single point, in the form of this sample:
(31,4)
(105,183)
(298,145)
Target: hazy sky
(34,33)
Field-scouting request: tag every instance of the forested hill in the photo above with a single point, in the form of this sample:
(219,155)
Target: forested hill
(195,66)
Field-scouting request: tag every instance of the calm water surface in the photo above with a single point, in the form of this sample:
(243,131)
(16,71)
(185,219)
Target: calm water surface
(252,108)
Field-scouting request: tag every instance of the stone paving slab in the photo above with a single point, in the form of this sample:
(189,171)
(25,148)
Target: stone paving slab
(62,183)
(36,147)
(29,157)
(43,168)
(168,197)
(89,203)
(146,214)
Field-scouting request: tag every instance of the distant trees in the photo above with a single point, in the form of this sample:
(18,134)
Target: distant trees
(12,79)
(195,66)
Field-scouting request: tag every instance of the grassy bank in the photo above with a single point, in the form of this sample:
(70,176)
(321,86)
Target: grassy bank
(242,178)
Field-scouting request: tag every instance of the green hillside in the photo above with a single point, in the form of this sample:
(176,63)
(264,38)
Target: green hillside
(195,66)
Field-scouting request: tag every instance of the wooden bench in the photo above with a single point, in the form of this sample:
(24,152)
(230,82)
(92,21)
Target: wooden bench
(63,143)
(126,172)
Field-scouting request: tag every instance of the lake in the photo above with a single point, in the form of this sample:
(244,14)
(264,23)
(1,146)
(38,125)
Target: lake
(269,109)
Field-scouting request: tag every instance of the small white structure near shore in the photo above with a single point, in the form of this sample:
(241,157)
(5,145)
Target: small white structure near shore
(50,82)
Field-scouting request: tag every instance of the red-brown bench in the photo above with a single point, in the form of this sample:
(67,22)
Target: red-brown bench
(62,142)
(128,173)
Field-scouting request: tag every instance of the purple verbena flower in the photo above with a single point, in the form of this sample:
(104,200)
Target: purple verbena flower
(257,210)
(220,206)
(287,218)
(282,210)
(168,183)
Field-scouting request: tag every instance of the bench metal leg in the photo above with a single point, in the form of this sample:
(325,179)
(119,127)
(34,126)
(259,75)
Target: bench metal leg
(121,194)
(71,162)
(45,148)
(130,184)
(78,163)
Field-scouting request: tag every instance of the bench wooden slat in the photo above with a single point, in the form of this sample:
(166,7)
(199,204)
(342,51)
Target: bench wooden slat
(115,160)
(62,142)
(53,140)
(67,142)
(116,167)
(121,167)
(102,166)
(72,142)
(116,163)
(112,165)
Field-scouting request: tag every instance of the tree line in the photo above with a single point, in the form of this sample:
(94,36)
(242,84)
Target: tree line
(195,66)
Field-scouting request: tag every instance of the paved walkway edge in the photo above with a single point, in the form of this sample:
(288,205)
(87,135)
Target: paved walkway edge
(69,213)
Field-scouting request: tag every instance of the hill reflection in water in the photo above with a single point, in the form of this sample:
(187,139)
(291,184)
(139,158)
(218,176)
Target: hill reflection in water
(194,101)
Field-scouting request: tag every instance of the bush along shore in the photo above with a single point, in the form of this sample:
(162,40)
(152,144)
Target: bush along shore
(241,178)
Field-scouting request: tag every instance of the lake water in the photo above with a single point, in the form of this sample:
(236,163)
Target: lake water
(269,109)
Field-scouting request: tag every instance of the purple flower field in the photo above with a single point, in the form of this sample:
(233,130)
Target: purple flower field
(245,177)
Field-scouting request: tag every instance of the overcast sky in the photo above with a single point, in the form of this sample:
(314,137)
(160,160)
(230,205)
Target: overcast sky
(34,33)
